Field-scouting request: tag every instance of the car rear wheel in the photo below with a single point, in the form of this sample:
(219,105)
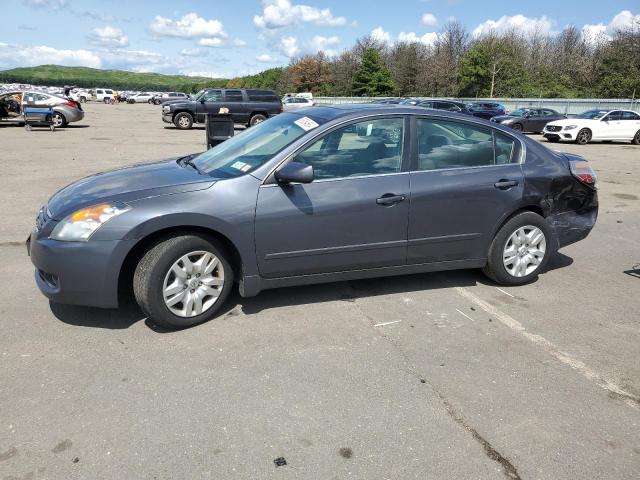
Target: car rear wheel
(183,120)
(256,119)
(59,120)
(83,99)
(183,281)
(583,137)
(517,127)
(636,138)
(157,101)
(519,251)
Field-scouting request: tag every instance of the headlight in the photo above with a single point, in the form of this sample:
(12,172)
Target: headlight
(166,108)
(80,225)
(570,127)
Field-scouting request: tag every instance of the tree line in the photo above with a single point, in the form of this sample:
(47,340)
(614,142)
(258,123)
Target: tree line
(509,64)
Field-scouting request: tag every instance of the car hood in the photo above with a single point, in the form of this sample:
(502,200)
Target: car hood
(127,185)
(504,118)
(179,103)
(572,121)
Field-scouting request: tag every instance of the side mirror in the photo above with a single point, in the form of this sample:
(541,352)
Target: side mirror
(295,172)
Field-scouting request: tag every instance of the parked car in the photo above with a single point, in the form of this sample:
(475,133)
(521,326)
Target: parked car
(13,103)
(529,119)
(486,110)
(596,125)
(143,97)
(248,106)
(393,101)
(409,101)
(80,96)
(160,99)
(296,103)
(319,195)
(448,105)
(101,95)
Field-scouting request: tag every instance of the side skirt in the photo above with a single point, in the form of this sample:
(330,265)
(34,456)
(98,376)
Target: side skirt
(250,286)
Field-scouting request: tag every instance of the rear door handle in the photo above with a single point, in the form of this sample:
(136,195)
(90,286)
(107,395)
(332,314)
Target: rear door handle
(504,184)
(390,199)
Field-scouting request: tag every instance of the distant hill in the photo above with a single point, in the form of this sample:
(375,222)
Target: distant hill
(56,75)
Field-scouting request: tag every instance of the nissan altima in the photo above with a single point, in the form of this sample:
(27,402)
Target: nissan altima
(318,195)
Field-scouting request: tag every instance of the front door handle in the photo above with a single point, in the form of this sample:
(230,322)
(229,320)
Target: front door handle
(504,184)
(389,199)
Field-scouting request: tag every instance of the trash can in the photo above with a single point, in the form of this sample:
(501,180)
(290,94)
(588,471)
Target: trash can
(38,116)
(219,128)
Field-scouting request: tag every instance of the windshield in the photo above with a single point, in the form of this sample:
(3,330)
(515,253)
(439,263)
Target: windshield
(593,114)
(253,147)
(199,94)
(520,112)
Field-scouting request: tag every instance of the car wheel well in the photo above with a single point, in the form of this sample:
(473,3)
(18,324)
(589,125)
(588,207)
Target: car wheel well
(527,208)
(127,269)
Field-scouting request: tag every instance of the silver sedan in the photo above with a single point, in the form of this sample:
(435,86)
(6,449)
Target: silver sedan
(65,110)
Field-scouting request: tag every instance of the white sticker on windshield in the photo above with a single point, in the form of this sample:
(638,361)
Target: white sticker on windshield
(306,123)
(239,165)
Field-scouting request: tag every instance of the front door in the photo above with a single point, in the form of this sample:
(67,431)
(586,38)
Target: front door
(353,215)
(210,102)
(610,127)
(465,178)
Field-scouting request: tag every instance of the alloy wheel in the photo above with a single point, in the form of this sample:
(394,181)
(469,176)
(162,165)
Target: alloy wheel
(193,284)
(584,137)
(524,251)
(57,120)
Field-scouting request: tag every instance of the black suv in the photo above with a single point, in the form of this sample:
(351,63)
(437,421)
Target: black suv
(248,106)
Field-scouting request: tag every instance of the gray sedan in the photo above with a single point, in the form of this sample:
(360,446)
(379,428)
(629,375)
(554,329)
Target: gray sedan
(319,195)
(65,110)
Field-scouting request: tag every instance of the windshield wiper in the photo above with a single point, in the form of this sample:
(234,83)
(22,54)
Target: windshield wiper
(188,160)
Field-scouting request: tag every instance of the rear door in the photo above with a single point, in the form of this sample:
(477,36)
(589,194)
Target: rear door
(352,216)
(630,124)
(465,179)
(237,105)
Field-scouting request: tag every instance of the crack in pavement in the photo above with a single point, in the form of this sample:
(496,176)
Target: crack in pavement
(508,468)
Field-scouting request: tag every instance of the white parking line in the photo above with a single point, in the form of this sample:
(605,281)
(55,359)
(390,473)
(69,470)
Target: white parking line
(465,315)
(386,323)
(506,293)
(629,398)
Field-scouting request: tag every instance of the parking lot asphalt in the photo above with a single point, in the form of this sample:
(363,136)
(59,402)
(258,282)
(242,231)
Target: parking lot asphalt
(427,376)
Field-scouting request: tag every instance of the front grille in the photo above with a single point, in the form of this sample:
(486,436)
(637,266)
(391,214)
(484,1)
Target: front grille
(50,279)
(553,128)
(42,218)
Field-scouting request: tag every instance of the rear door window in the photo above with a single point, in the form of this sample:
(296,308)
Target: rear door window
(233,96)
(630,116)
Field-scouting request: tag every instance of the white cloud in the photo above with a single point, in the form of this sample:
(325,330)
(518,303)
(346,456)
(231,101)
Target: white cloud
(429,19)
(15,55)
(289,46)
(238,42)
(411,37)
(109,37)
(210,42)
(320,43)
(191,52)
(50,4)
(593,32)
(282,13)
(265,58)
(380,35)
(205,74)
(518,23)
(189,26)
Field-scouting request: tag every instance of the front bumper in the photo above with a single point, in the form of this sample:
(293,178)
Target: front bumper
(78,273)
(561,136)
(167,117)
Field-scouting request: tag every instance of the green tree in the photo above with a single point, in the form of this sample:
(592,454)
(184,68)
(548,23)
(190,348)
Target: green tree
(372,78)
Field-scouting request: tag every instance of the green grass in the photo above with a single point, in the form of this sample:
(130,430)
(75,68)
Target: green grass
(55,75)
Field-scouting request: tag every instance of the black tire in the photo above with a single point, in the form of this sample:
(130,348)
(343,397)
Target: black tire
(157,102)
(636,138)
(83,99)
(495,268)
(59,120)
(106,100)
(150,273)
(183,121)
(583,137)
(257,118)
(517,127)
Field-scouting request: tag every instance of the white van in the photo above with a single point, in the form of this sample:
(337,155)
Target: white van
(102,95)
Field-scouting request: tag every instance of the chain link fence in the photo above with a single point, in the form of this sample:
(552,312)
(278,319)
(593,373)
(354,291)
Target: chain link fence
(566,106)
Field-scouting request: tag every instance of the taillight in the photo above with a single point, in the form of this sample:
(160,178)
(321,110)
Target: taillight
(70,104)
(583,172)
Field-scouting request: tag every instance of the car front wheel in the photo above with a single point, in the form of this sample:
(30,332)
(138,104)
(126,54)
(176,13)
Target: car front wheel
(636,138)
(183,281)
(520,250)
(183,121)
(583,137)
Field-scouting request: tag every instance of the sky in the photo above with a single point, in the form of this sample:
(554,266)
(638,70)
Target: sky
(222,38)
